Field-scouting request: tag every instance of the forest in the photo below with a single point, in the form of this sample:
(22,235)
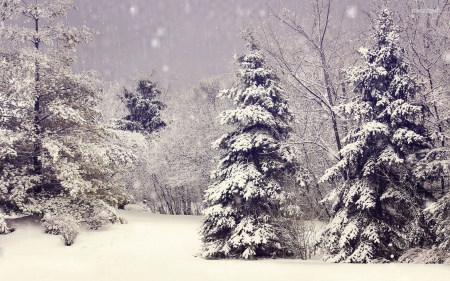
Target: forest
(325,141)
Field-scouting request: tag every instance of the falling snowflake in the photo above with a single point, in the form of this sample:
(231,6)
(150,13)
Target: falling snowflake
(155,43)
(351,12)
(161,31)
(187,8)
(133,10)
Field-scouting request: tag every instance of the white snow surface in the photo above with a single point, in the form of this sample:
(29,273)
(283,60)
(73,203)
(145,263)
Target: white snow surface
(162,247)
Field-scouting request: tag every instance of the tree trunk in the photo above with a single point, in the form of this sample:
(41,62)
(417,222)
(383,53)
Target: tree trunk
(37,164)
(330,94)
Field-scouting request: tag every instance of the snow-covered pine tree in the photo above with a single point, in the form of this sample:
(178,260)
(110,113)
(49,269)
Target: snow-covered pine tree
(243,203)
(438,215)
(143,108)
(55,156)
(434,168)
(378,212)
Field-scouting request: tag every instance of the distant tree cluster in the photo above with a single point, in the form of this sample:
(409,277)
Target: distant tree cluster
(144,110)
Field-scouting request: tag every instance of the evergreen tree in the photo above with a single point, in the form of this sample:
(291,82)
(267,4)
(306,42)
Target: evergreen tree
(55,156)
(433,169)
(144,111)
(378,212)
(244,202)
(438,215)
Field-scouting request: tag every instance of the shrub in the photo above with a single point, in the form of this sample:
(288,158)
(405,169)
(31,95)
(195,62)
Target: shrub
(4,227)
(100,217)
(52,224)
(121,220)
(301,237)
(174,200)
(69,231)
(65,225)
(425,256)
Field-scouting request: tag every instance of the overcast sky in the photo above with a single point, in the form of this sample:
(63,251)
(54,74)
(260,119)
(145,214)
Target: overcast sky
(182,40)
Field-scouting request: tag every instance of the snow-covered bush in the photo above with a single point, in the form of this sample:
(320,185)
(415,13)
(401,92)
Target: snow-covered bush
(52,224)
(4,228)
(64,225)
(69,229)
(425,256)
(100,217)
(301,237)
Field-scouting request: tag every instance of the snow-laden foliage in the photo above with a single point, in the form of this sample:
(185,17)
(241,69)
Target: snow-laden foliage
(434,168)
(100,216)
(377,209)
(52,224)
(144,111)
(429,54)
(4,228)
(242,218)
(425,256)
(439,214)
(69,230)
(55,156)
(65,225)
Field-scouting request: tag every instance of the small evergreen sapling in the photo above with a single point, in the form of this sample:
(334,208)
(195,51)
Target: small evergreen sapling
(244,202)
(378,212)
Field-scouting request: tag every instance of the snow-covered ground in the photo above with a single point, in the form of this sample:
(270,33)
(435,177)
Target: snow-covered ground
(160,247)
